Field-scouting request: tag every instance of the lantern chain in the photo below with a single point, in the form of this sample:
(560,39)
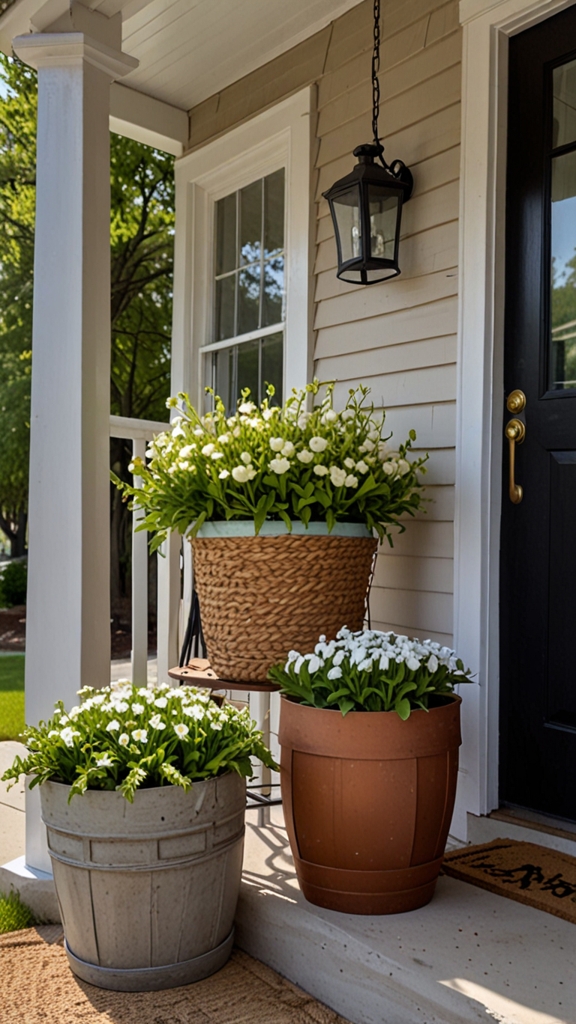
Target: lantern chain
(375,79)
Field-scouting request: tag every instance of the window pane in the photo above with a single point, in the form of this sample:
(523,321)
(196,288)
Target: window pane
(225,303)
(274,212)
(249,299)
(251,222)
(223,367)
(564,88)
(272,366)
(248,365)
(226,234)
(562,370)
(273,292)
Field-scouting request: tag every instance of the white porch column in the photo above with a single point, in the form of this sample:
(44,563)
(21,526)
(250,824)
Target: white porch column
(68,612)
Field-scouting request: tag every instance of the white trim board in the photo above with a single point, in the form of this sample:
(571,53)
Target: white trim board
(279,137)
(487,27)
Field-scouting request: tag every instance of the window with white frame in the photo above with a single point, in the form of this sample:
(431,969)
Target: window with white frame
(241,290)
(248,291)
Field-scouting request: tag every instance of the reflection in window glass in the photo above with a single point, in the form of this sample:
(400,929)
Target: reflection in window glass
(252,364)
(564,115)
(562,363)
(251,223)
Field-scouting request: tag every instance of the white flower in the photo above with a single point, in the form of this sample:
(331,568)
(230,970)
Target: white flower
(267,414)
(246,408)
(104,760)
(241,474)
(365,665)
(194,711)
(124,739)
(216,725)
(351,481)
(178,432)
(403,467)
(339,657)
(237,431)
(186,452)
(389,468)
(288,449)
(314,664)
(53,732)
(303,420)
(217,455)
(305,456)
(337,476)
(171,403)
(139,734)
(335,673)
(279,466)
(208,449)
(412,663)
(246,458)
(329,416)
(432,664)
(120,706)
(157,723)
(298,664)
(277,444)
(137,709)
(349,463)
(224,438)
(321,470)
(113,726)
(68,735)
(223,474)
(361,467)
(384,663)
(160,702)
(318,444)
(181,730)
(368,446)
(198,432)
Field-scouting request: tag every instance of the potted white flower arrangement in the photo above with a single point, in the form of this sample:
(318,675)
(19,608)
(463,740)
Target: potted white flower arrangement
(369,731)
(143,795)
(282,504)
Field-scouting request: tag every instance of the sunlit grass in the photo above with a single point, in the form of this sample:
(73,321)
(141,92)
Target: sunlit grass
(14,915)
(11,696)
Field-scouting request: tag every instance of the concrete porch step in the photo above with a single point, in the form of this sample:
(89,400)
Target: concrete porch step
(468,957)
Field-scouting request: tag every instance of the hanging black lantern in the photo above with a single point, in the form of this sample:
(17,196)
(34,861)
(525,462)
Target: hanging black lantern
(366,205)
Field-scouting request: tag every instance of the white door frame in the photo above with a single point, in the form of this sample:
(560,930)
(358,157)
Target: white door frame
(487,27)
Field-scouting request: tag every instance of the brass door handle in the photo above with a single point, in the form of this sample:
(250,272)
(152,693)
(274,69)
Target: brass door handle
(515,431)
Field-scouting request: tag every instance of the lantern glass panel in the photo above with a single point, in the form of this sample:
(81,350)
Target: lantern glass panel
(347,213)
(383,207)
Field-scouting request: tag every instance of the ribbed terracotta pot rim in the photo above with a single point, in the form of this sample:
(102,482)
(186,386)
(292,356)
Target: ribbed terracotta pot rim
(451,699)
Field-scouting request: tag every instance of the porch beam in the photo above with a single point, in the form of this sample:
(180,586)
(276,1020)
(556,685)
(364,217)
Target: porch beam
(68,610)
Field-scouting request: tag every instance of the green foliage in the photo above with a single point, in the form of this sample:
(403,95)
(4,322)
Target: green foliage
(371,671)
(14,915)
(124,737)
(13,584)
(278,464)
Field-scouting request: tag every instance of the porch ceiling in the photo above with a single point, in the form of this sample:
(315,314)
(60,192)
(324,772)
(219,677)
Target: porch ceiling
(190,49)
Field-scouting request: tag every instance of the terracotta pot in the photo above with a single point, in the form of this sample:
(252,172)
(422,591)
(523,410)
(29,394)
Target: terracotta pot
(368,801)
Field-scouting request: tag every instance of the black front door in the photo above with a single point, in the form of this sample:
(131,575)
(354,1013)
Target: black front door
(538,540)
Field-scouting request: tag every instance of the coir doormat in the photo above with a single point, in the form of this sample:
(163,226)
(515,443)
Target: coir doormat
(531,874)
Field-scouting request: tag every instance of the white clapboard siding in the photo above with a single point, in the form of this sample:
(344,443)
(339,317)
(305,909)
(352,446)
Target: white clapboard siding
(399,337)
(405,572)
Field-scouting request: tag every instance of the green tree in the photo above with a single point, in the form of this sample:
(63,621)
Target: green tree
(142,233)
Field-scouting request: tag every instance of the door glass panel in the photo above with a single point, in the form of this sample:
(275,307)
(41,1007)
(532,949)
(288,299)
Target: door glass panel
(564,90)
(562,369)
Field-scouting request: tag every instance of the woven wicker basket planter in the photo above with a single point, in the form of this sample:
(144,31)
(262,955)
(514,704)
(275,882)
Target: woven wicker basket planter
(262,596)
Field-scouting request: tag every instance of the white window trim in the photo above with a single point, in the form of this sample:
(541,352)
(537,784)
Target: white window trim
(279,137)
(488,25)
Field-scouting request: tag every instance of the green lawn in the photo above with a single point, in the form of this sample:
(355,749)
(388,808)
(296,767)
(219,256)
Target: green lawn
(11,696)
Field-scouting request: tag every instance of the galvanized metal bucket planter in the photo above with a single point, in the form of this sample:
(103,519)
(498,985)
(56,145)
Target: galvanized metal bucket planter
(148,890)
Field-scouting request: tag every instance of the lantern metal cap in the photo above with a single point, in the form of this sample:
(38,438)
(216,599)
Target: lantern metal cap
(396,176)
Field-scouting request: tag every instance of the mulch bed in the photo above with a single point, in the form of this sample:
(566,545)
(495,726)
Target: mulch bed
(38,987)
(13,631)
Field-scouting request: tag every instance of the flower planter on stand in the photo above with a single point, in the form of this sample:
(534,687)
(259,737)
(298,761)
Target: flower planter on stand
(368,800)
(262,595)
(147,890)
